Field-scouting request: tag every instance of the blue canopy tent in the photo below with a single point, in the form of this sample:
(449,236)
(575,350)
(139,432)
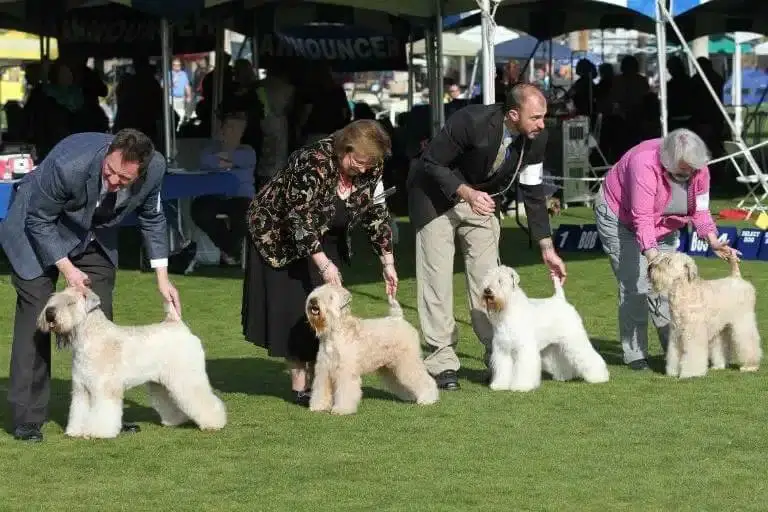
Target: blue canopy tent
(754,83)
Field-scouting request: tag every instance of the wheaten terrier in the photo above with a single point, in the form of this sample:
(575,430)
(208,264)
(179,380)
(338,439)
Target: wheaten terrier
(710,320)
(531,335)
(351,347)
(108,359)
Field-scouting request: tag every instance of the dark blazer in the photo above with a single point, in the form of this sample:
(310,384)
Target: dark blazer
(463,153)
(291,213)
(51,214)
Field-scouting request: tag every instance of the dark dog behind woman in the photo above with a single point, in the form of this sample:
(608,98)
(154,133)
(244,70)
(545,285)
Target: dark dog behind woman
(299,225)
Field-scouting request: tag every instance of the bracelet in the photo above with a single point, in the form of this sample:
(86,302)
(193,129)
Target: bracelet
(388,264)
(325,267)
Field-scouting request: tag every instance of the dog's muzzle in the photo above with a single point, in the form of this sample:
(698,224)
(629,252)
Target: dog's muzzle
(50,317)
(314,309)
(490,300)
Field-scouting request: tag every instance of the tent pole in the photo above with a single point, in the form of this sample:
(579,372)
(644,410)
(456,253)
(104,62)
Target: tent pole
(487,50)
(736,135)
(661,60)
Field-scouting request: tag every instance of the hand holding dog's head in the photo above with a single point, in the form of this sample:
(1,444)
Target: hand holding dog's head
(498,286)
(66,310)
(670,270)
(326,306)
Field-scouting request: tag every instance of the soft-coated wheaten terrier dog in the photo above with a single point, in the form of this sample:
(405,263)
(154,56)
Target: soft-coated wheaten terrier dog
(108,359)
(710,320)
(531,335)
(351,347)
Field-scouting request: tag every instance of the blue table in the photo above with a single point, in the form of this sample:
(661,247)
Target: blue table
(176,185)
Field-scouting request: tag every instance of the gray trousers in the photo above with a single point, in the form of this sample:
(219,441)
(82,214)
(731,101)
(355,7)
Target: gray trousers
(435,247)
(636,299)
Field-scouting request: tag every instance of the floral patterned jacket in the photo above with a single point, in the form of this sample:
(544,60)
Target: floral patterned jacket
(290,214)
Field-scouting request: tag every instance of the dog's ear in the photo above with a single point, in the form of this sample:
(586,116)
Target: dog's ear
(92,301)
(345,297)
(691,272)
(515,276)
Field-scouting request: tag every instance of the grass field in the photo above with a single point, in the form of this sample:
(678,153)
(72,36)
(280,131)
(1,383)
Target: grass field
(639,442)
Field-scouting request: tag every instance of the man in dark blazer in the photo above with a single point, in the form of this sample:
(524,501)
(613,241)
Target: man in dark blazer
(64,220)
(454,190)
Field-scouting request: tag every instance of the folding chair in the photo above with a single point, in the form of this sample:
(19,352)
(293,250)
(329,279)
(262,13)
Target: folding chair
(755,181)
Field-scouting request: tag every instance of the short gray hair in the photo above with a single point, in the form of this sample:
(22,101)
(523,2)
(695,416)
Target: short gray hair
(683,144)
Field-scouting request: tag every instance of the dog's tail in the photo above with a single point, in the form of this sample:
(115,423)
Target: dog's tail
(171,314)
(559,293)
(735,270)
(394,307)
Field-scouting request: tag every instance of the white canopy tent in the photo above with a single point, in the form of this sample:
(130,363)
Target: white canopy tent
(453,46)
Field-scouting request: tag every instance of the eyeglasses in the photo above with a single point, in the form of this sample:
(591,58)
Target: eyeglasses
(363,163)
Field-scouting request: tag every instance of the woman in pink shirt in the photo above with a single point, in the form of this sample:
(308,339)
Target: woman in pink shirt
(656,188)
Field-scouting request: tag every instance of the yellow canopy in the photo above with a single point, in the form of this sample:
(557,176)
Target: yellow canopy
(20,46)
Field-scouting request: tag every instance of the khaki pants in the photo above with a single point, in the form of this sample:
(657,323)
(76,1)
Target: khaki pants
(435,246)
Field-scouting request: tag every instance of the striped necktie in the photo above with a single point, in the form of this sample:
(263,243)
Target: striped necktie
(502,155)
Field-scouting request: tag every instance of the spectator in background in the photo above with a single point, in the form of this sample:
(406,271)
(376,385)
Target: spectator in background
(181,91)
(679,104)
(324,108)
(277,96)
(226,153)
(140,101)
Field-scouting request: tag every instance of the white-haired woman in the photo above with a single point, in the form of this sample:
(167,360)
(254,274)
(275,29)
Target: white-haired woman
(656,188)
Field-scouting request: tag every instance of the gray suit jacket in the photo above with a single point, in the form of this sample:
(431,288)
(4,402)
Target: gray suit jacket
(51,214)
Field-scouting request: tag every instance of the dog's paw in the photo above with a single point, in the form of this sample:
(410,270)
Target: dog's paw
(74,433)
(717,366)
(343,411)
(498,386)
(687,374)
(749,368)
(319,407)
(522,388)
(429,399)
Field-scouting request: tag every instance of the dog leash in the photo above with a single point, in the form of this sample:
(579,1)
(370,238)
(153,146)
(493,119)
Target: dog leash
(496,240)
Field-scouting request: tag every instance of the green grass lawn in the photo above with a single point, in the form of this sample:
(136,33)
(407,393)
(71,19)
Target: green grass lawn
(640,442)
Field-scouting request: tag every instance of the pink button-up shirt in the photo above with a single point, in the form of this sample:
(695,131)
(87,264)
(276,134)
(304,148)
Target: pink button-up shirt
(637,191)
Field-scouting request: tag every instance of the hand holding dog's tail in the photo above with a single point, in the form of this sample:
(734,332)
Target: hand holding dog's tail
(171,314)
(735,270)
(559,293)
(394,307)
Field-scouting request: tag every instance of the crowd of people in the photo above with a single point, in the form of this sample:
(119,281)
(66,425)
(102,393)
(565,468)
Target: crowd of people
(309,177)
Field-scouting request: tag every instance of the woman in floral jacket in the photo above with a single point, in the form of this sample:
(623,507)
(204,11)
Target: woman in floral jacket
(299,225)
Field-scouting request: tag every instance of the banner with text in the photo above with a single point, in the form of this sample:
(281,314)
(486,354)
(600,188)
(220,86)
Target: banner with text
(343,48)
(117,31)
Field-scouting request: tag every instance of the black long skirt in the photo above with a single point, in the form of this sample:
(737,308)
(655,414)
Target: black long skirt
(274,299)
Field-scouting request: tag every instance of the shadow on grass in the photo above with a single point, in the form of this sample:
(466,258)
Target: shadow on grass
(614,355)
(257,376)
(610,350)
(58,407)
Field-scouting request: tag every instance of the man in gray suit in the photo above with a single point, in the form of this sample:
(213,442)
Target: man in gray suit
(64,220)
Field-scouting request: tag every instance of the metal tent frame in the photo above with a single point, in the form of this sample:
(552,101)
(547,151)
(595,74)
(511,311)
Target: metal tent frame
(760,180)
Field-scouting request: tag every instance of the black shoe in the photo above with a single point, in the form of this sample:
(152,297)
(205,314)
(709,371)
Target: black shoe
(639,365)
(302,398)
(130,428)
(28,432)
(447,380)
